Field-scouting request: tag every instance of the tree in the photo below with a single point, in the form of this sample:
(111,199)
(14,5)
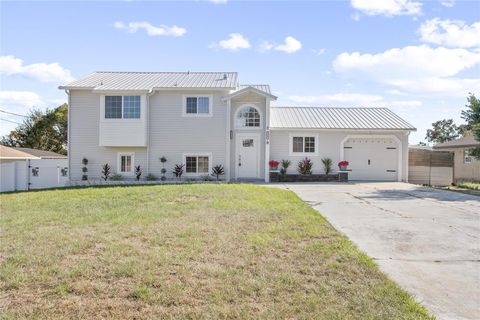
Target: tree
(472,114)
(44,130)
(442,131)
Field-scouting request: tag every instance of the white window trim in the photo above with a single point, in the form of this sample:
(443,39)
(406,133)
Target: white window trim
(102,107)
(253,105)
(465,151)
(197,115)
(119,163)
(197,154)
(303,135)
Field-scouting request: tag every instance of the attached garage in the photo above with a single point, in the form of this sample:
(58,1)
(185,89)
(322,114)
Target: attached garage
(373,140)
(375,159)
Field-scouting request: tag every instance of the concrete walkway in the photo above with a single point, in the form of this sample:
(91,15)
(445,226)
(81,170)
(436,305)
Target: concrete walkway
(426,240)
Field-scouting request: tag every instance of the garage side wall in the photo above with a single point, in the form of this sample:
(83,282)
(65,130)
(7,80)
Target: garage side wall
(329,146)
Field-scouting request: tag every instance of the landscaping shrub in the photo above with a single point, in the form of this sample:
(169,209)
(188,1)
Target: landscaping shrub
(178,171)
(116,177)
(218,171)
(150,177)
(285,165)
(327,165)
(105,171)
(138,172)
(305,166)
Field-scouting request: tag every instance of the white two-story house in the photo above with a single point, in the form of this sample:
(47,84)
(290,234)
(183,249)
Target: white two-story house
(203,119)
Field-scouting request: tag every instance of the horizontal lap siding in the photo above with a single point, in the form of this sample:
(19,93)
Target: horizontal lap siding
(328,147)
(84,138)
(171,134)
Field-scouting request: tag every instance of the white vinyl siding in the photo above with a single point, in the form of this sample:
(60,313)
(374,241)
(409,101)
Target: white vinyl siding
(84,123)
(172,135)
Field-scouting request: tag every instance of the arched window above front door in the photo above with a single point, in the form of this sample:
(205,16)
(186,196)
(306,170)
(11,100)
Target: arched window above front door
(247,117)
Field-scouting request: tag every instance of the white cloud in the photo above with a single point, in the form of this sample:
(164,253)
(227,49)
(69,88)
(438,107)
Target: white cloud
(45,72)
(290,45)
(388,8)
(235,42)
(355,16)
(451,33)
(420,69)
(19,101)
(318,52)
(406,104)
(448,3)
(151,30)
(218,1)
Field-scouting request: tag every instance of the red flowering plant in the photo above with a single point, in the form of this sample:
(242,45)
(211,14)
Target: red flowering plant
(343,165)
(273,164)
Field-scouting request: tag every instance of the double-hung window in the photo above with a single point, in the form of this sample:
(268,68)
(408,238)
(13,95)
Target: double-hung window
(303,145)
(197,164)
(122,107)
(197,106)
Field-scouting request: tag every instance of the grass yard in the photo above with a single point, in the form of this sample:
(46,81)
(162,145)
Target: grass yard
(184,252)
(469,185)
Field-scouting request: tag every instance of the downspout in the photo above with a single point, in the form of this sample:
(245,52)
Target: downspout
(68,132)
(147,124)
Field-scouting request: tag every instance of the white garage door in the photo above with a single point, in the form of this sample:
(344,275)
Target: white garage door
(372,158)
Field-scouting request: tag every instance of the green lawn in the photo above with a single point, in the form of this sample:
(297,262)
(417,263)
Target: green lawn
(469,185)
(192,251)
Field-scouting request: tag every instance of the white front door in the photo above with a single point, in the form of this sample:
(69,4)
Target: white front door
(248,155)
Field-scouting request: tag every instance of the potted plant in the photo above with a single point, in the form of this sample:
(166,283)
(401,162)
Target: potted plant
(273,165)
(285,165)
(342,165)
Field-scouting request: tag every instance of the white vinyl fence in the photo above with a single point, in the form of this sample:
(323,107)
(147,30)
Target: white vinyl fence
(33,174)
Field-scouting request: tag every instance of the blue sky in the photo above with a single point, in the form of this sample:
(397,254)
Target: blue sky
(418,58)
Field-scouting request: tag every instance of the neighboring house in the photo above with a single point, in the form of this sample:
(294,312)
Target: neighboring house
(203,119)
(26,168)
(466,166)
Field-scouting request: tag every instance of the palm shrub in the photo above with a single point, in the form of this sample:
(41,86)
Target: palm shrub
(138,172)
(285,165)
(105,171)
(305,166)
(218,171)
(178,170)
(327,165)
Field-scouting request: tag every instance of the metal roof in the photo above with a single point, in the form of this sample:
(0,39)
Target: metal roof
(102,80)
(337,118)
(27,153)
(467,141)
(261,87)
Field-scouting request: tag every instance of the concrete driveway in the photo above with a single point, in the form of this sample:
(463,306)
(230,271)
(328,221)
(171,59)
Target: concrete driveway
(426,240)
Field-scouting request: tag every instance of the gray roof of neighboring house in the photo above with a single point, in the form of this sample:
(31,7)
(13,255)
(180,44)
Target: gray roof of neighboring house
(27,153)
(113,80)
(337,118)
(467,141)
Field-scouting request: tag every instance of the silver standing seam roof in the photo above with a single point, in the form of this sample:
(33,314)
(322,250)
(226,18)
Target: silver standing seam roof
(112,80)
(337,118)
